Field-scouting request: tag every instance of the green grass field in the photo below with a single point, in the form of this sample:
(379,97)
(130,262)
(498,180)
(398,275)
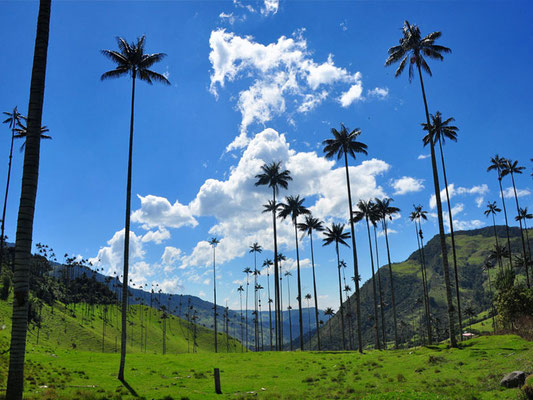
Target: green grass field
(472,372)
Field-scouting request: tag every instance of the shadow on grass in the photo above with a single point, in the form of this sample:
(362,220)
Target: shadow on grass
(130,389)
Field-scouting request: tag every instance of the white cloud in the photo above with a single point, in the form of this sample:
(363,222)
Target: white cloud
(479,201)
(276,71)
(509,192)
(453,191)
(171,285)
(423,156)
(270,7)
(230,18)
(353,94)
(344,26)
(171,256)
(380,93)
(157,211)
(407,184)
(156,236)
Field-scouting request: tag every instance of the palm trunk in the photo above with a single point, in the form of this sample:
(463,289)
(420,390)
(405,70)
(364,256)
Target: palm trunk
(300,318)
(527,239)
(496,239)
(280,299)
(30,174)
(444,250)
(341,308)
(309,325)
(256,319)
(278,316)
(215,299)
(425,277)
(242,341)
(391,286)
(381,305)
(290,320)
(314,291)
(269,311)
(2,238)
(506,223)
(373,286)
(246,315)
(491,303)
(123,338)
(521,234)
(355,265)
(424,285)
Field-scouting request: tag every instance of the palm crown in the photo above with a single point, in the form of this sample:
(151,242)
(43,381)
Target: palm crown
(132,60)
(344,142)
(492,208)
(311,224)
(256,248)
(438,130)
(22,132)
(497,163)
(13,118)
(413,47)
(273,176)
(293,206)
(336,234)
(511,167)
(384,209)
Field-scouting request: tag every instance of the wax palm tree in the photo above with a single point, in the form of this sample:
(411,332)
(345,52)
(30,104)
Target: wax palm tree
(412,50)
(275,177)
(512,168)
(214,242)
(309,225)
(439,130)
(345,143)
(497,164)
(131,60)
(524,215)
(415,216)
(247,271)
(22,132)
(487,266)
(30,173)
(288,274)
(349,315)
(267,264)
(492,209)
(498,253)
(364,211)
(294,207)
(386,211)
(374,219)
(336,235)
(14,119)
(330,313)
(240,289)
(258,288)
(308,297)
(281,258)
(256,301)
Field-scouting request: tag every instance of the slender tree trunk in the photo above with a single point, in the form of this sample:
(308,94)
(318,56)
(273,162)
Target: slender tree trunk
(314,291)
(341,308)
(381,304)
(215,299)
(290,320)
(278,315)
(391,287)
(506,222)
(281,299)
(527,239)
(355,264)
(246,324)
(300,318)
(524,253)
(424,268)
(256,319)
(496,239)
(450,217)
(491,303)
(242,341)
(30,174)
(424,286)
(2,238)
(375,298)
(444,250)
(269,311)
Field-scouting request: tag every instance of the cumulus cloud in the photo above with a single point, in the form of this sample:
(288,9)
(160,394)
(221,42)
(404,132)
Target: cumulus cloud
(270,7)
(407,184)
(455,191)
(380,93)
(156,236)
(276,72)
(157,211)
(509,192)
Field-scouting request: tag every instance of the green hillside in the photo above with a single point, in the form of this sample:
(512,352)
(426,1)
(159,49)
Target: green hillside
(473,248)
(82,327)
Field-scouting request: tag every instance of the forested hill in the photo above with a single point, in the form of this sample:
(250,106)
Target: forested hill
(473,248)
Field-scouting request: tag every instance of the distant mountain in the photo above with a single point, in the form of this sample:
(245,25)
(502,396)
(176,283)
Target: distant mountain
(473,247)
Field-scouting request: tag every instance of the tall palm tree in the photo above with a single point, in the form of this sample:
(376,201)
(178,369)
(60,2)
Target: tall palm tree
(308,297)
(14,120)
(411,50)
(258,289)
(309,225)
(256,301)
(365,210)
(386,211)
(374,219)
(497,164)
(487,267)
(492,209)
(512,168)
(275,177)
(281,258)
(247,271)
(336,235)
(267,264)
(289,308)
(498,253)
(240,289)
(131,60)
(294,207)
(214,242)
(343,144)
(330,313)
(416,216)
(349,315)
(30,174)
(255,248)
(524,215)
(439,130)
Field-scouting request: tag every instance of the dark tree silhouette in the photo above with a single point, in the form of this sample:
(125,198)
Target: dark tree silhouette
(214,242)
(492,209)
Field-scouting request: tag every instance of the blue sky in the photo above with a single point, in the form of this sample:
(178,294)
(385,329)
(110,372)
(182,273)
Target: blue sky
(254,82)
